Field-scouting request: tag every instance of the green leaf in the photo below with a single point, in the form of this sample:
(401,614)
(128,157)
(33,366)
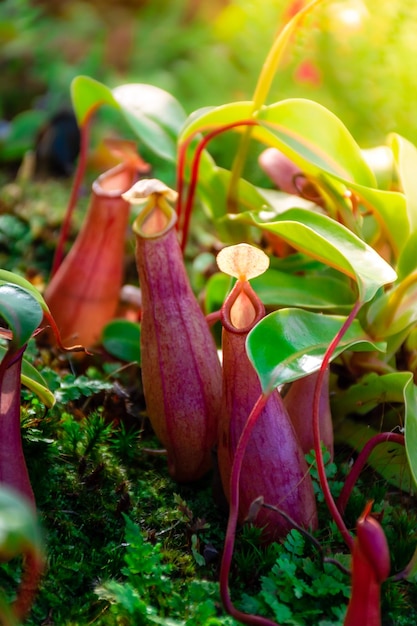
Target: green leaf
(153,114)
(407,261)
(216,117)
(213,187)
(276,288)
(390,211)
(121,339)
(307,132)
(314,138)
(371,391)
(21,311)
(405,154)
(392,461)
(216,291)
(393,312)
(87,95)
(410,402)
(329,242)
(290,343)
(34,381)
(14,279)
(381,161)
(322,292)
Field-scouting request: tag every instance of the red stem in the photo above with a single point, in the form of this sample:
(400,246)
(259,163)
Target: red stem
(78,178)
(360,462)
(194,171)
(253,620)
(51,322)
(334,511)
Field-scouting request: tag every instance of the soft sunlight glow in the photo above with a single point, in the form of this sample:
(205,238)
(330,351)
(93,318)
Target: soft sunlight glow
(350,16)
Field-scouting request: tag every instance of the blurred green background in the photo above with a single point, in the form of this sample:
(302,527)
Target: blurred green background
(356,57)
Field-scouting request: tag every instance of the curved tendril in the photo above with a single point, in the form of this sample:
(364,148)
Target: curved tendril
(360,462)
(253,620)
(334,511)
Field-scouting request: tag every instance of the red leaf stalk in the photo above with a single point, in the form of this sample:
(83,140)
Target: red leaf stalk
(370,567)
(184,213)
(83,294)
(321,470)
(79,175)
(299,404)
(181,372)
(360,462)
(252,620)
(273,465)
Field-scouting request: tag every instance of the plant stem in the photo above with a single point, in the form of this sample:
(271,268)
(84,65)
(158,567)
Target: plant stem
(360,462)
(275,54)
(262,88)
(254,620)
(194,173)
(334,511)
(78,178)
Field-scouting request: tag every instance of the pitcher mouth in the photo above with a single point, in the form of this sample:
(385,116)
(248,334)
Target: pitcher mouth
(231,320)
(115,181)
(155,220)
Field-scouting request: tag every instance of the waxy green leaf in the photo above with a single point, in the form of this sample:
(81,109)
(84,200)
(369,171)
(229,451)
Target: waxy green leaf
(407,261)
(87,95)
(391,461)
(329,242)
(410,418)
(121,339)
(34,381)
(314,138)
(290,343)
(21,311)
(276,288)
(7,277)
(294,126)
(153,114)
(405,154)
(389,209)
(394,311)
(216,117)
